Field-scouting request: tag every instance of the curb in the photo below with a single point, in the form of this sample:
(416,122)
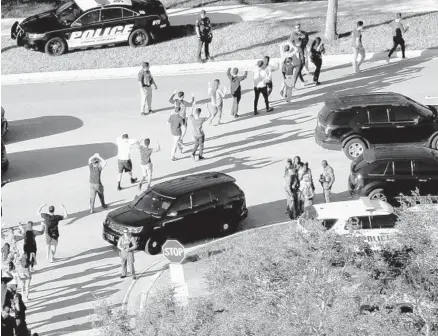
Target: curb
(181,69)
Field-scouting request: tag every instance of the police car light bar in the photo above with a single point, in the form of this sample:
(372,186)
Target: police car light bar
(89,4)
(367,203)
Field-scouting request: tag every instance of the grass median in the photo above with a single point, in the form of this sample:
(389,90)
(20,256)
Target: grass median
(244,40)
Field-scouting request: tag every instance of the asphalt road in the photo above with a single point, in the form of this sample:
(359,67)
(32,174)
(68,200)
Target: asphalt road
(55,128)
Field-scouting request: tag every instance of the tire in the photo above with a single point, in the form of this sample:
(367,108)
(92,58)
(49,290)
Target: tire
(56,46)
(434,143)
(139,38)
(154,244)
(354,148)
(378,194)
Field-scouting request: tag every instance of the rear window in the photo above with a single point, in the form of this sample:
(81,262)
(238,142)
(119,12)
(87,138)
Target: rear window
(358,164)
(341,118)
(225,191)
(324,114)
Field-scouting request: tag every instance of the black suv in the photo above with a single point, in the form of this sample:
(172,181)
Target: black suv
(356,122)
(385,172)
(183,208)
(86,23)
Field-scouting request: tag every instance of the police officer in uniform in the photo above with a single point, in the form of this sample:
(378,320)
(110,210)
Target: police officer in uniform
(203,31)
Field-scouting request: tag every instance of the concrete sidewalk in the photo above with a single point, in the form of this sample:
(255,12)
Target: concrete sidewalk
(187,69)
(283,11)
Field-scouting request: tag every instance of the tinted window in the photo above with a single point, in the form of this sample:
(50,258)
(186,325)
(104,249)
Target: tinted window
(402,168)
(152,202)
(111,14)
(342,118)
(381,168)
(182,203)
(201,197)
(89,18)
(329,223)
(378,114)
(403,113)
(358,223)
(383,221)
(127,13)
(225,191)
(425,168)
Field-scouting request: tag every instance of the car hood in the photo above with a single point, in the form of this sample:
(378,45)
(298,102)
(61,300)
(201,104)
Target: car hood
(41,23)
(130,216)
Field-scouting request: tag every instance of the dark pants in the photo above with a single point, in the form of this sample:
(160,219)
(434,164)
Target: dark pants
(318,63)
(206,50)
(96,189)
(396,42)
(264,92)
(270,87)
(236,100)
(199,142)
(297,73)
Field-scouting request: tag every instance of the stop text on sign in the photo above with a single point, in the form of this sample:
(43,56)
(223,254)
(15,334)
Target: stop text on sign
(173,252)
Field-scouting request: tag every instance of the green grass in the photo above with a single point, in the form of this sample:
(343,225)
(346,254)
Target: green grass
(244,40)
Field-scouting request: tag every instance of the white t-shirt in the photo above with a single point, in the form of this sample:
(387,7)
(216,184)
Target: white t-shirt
(260,75)
(124,148)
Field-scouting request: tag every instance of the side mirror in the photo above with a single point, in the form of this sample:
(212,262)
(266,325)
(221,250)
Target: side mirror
(172,214)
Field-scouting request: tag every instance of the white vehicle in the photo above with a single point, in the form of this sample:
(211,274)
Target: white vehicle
(373,219)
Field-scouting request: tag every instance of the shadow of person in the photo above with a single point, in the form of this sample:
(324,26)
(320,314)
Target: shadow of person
(28,129)
(49,161)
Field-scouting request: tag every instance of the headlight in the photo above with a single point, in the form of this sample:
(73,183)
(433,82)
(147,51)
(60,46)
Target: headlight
(36,36)
(136,230)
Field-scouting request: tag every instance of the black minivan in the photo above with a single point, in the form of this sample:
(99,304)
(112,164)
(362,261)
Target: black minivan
(385,172)
(188,207)
(356,122)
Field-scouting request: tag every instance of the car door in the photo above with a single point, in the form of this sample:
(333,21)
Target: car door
(381,228)
(85,30)
(117,23)
(206,210)
(409,126)
(403,179)
(426,174)
(375,125)
(179,219)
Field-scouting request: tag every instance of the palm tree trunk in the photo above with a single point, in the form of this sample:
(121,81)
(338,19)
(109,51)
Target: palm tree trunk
(331,33)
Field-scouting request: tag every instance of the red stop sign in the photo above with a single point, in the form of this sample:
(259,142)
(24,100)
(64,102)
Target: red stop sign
(174,251)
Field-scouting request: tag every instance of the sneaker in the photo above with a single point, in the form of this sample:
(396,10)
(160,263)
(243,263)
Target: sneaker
(236,116)
(134,278)
(201,157)
(105,206)
(122,276)
(133,180)
(317,83)
(209,58)
(255,113)
(91,211)
(150,111)
(119,187)
(270,109)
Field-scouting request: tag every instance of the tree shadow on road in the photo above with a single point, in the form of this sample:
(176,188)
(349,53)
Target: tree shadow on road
(49,161)
(28,129)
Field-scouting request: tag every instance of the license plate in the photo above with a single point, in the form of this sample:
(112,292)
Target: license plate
(110,237)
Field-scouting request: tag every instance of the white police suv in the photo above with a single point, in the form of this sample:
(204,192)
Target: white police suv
(373,219)
(88,23)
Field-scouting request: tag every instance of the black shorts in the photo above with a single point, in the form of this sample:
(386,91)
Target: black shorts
(184,121)
(125,166)
(270,85)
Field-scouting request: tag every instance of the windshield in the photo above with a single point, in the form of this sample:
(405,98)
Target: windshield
(68,12)
(420,107)
(152,203)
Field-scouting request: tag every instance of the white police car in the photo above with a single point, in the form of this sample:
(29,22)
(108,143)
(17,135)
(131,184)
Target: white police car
(88,23)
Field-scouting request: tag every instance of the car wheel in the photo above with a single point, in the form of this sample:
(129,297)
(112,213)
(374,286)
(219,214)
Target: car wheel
(154,244)
(139,38)
(56,46)
(434,143)
(377,194)
(354,148)
(227,228)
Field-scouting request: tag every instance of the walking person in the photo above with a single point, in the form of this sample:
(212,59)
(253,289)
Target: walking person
(398,29)
(127,244)
(297,61)
(24,276)
(269,68)
(316,51)
(124,145)
(327,178)
(177,100)
(146,162)
(260,87)
(20,316)
(301,39)
(51,222)
(176,122)
(146,81)
(198,132)
(96,165)
(307,188)
(217,95)
(29,244)
(205,36)
(288,79)
(287,50)
(358,49)
(236,89)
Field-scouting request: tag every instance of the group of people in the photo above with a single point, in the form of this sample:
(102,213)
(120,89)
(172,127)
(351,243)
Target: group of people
(299,186)
(17,267)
